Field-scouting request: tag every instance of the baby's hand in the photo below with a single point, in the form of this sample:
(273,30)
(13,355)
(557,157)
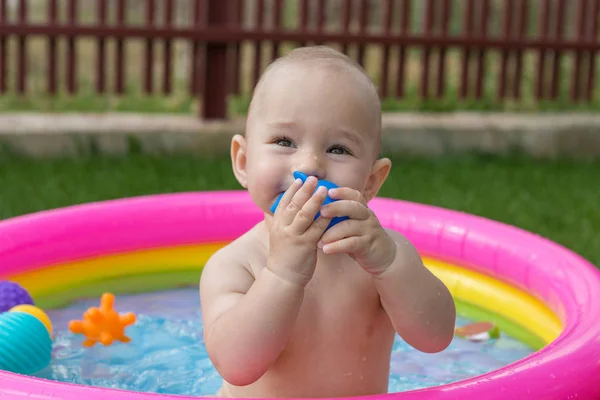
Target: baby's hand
(361,236)
(295,232)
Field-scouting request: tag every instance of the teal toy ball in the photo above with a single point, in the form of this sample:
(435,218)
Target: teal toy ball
(25,344)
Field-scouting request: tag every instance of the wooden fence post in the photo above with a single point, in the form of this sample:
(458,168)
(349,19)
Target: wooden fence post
(214,96)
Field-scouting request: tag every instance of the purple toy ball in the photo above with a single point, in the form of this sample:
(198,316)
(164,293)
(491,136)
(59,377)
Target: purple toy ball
(12,294)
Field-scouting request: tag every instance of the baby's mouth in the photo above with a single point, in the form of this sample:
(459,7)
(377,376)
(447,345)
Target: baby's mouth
(296,175)
(275,202)
(327,184)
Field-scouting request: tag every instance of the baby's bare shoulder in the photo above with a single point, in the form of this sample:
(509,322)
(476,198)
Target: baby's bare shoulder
(232,261)
(227,276)
(235,252)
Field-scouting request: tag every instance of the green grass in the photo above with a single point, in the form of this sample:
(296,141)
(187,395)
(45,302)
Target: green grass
(88,102)
(557,199)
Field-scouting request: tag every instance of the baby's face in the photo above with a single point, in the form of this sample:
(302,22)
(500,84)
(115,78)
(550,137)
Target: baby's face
(316,122)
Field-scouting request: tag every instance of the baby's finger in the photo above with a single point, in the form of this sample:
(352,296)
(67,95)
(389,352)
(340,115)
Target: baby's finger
(349,245)
(319,226)
(344,229)
(346,208)
(300,197)
(306,215)
(288,195)
(346,193)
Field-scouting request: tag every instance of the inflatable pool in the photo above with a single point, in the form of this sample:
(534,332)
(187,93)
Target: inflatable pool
(531,288)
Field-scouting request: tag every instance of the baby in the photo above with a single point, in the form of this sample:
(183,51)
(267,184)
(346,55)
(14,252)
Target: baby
(291,309)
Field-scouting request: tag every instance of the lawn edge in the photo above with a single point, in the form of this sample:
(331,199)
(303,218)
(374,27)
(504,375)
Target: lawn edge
(542,135)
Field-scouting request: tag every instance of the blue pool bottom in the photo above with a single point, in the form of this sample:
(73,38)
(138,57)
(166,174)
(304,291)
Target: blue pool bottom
(167,353)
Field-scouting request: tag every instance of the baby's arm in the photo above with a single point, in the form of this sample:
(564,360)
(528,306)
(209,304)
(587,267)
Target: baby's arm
(419,305)
(247,321)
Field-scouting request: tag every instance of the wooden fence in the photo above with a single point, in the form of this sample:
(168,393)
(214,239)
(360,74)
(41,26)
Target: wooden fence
(217,32)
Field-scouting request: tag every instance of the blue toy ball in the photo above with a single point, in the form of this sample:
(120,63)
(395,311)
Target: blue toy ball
(25,344)
(322,182)
(12,294)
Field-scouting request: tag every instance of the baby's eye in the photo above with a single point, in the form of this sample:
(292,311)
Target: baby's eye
(284,142)
(339,150)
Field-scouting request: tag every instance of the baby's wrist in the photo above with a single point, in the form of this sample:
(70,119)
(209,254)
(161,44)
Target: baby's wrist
(290,278)
(388,262)
(388,256)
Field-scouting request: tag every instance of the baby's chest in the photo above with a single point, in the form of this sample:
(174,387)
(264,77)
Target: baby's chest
(348,302)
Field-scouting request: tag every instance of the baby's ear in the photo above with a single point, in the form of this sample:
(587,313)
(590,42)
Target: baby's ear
(238,159)
(379,173)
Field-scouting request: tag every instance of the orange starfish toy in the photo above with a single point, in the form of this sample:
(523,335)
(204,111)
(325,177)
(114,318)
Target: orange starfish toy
(103,324)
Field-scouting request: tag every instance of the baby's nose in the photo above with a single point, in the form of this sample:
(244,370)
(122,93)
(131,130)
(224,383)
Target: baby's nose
(311,165)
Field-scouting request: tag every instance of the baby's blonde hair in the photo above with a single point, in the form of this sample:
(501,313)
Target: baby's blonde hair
(321,57)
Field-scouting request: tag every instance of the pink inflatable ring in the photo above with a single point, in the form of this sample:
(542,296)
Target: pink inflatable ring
(62,254)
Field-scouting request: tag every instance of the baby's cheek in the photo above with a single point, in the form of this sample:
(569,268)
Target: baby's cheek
(270,175)
(352,176)
(266,183)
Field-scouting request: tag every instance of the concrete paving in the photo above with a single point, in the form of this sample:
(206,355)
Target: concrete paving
(540,135)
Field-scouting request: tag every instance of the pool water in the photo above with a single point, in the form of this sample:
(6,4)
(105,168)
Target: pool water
(167,353)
